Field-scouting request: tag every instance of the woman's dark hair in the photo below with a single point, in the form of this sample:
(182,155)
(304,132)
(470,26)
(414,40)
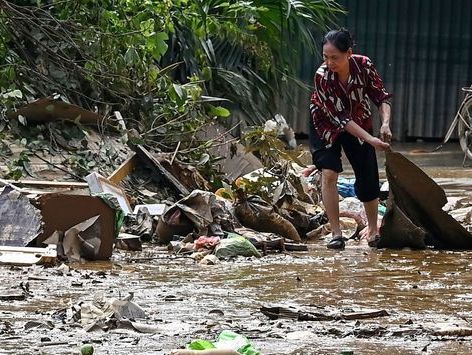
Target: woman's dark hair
(341,39)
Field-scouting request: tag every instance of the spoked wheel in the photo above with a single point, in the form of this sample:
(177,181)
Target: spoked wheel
(465,128)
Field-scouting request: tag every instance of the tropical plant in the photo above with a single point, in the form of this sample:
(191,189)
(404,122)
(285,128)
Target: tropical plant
(251,50)
(166,65)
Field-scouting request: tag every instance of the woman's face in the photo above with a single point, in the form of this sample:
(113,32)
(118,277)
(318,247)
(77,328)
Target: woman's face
(336,60)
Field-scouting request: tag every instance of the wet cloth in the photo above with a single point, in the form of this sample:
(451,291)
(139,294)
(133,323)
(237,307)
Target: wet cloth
(334,105)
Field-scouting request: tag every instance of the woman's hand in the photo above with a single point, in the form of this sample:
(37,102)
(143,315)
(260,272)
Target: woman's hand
(385,133)
(357,131)
(378,143)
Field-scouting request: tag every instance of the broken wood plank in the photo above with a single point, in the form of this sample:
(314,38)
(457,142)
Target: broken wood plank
(269,244)
(27,256)
(363,315)
(157,168)
(281,312)
(453,331)
(124,169)
(44,183)
(22,190)
(49,109)
(296,247)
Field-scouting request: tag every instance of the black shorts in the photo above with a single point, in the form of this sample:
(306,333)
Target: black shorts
(361,155)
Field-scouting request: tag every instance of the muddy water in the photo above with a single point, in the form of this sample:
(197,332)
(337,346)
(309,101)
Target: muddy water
(421,291)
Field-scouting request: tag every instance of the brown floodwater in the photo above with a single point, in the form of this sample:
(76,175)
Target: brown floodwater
(421,290)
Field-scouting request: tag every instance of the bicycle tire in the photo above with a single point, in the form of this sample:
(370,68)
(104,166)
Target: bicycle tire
(464,132)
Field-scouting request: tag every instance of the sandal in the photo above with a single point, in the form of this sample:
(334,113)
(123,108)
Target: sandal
(338,242)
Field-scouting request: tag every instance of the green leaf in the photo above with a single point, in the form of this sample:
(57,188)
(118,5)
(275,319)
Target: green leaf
(178,94)
(178,90)
(204,159)
(206,74)
(219,111)
(132,56)
(156,44)
(147,27)
(153,74)
(162,46)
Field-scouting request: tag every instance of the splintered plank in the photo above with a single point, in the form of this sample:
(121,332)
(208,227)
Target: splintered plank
(124,169)
(159,170)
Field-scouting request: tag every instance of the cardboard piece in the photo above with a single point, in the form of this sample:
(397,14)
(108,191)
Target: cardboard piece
(62,212)
(81,240)
(420,200)
(237,161)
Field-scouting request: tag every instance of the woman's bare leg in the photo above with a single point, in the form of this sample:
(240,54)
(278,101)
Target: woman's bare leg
(371,210)
(329,194)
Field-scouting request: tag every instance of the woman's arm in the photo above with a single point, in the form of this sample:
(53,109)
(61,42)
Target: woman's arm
(379,95)
(357,131)
(385,114)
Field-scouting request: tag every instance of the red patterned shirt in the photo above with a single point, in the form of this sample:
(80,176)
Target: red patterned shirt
(334,105)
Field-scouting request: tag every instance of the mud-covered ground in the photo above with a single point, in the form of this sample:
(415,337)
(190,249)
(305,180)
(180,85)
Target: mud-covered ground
(422,291)
(419,290)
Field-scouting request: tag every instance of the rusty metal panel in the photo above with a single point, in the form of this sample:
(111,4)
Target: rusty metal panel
(423,51)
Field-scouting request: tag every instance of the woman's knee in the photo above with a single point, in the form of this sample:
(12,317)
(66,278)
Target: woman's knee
(329,177)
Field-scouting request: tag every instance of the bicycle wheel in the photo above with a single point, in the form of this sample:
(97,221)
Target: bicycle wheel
(465,130)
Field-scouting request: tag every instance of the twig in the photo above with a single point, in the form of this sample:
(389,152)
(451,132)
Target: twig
(175,153)
(60,168)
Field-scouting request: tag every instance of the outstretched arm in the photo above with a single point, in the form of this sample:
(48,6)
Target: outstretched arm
(385,114)
(357,131)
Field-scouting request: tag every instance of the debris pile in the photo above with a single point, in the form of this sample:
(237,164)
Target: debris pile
(146,196)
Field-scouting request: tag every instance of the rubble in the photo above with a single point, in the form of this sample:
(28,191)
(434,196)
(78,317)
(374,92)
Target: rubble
(107,314)
(20,221)
(256,212)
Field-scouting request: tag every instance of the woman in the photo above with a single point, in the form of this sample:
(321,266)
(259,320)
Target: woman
(341,118)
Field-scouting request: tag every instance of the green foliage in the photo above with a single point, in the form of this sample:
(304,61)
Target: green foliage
(253,47)
(156,62)
(268,146)
(262,184)
(17,168)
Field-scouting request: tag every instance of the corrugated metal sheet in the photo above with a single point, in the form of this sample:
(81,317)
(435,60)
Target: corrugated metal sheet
(423,51)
